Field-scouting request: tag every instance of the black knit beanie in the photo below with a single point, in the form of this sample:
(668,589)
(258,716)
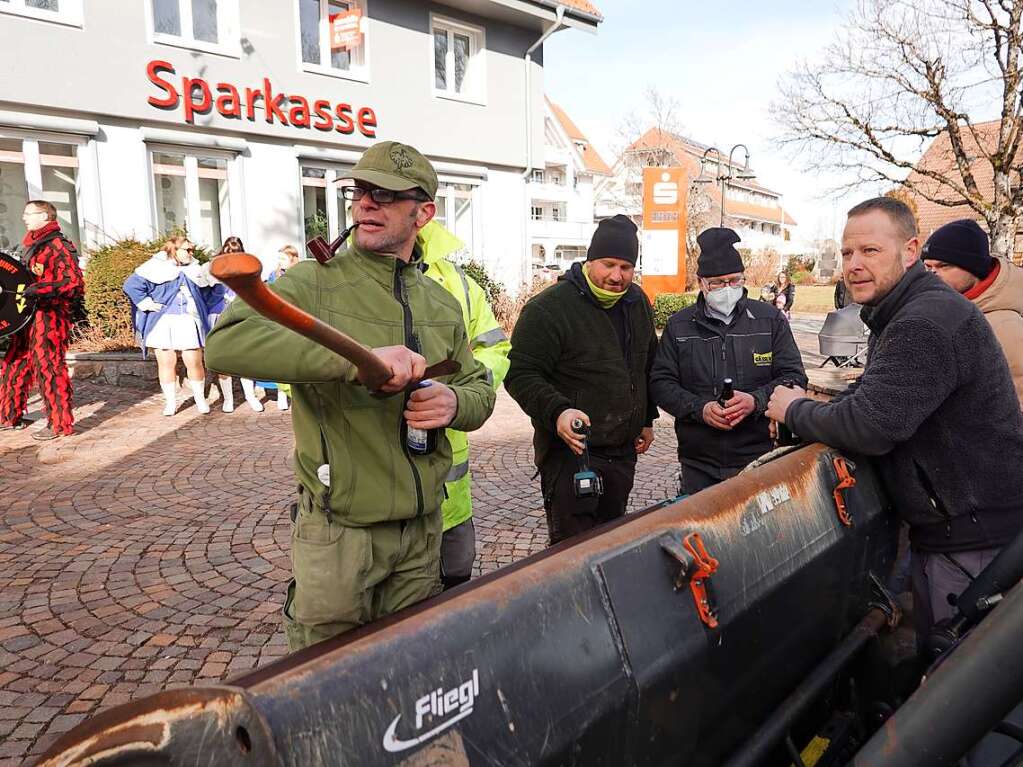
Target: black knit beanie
(961,243)
(717,253)
(615,237)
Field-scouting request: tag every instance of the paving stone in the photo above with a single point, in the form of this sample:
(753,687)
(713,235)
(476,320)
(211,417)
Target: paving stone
(127,567)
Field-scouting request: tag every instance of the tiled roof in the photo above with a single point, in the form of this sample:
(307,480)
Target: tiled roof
(591,158)
(680,145)
(939,157)
(580,5)
(688,153)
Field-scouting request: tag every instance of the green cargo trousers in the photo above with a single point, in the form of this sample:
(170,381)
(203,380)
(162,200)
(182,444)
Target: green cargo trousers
(345,576)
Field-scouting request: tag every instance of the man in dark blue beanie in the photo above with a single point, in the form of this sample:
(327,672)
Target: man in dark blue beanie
(959,254)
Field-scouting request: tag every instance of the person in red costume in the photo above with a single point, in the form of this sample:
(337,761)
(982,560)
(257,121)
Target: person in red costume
(36,353)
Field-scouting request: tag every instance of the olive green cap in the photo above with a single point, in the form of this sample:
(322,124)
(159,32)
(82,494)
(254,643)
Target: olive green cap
(398,167)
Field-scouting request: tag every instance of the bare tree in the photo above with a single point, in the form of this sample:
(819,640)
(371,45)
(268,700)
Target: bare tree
(903,73)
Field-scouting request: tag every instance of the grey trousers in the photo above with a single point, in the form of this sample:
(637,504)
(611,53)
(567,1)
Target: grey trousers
(936,577)
(457,553)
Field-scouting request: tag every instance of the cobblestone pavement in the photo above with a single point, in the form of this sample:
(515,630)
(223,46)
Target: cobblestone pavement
(147,552)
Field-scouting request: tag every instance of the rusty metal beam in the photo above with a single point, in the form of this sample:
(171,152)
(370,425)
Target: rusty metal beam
(593,652)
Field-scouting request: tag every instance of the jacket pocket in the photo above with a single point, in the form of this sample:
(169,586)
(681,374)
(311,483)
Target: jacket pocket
(754,360)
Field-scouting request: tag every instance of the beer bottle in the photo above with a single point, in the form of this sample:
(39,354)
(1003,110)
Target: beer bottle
(785,435)
(420,441)
(727,392)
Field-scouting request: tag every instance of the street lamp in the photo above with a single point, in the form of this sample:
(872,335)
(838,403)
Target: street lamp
(743,173)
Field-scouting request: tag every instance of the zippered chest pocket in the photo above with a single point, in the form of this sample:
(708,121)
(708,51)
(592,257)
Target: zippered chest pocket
(754,360)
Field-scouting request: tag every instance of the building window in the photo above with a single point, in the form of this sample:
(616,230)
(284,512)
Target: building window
(456,212)
(318,54)
(324,212)
(191,194)
(536,176)
(59,11)
(458,60)
(206,25)
(558,212)
(556,177)
(536,213)
(32,169)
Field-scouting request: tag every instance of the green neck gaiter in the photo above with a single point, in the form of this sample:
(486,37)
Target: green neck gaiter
(605,298)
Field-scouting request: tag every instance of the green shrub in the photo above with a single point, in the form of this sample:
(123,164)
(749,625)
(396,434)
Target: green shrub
(493,288)
(666,304)
(798,264)
(106,305)
(803,278)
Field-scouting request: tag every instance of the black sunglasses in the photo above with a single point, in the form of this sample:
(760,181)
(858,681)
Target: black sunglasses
(382,196)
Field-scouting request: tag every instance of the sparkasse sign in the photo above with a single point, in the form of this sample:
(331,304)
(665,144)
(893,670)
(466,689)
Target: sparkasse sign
(197,96)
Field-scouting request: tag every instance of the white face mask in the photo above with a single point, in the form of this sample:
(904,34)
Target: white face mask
(723,300)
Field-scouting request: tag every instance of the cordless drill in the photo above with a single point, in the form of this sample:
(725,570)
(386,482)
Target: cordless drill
(586,482)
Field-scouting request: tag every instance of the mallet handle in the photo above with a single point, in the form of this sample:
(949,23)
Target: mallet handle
(241,272)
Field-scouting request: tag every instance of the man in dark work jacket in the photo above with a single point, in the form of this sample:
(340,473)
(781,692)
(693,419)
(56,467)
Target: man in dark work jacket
(723,335)
(936,400)
(582,349)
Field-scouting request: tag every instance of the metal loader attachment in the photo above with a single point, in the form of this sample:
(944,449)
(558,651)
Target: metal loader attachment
(666,638)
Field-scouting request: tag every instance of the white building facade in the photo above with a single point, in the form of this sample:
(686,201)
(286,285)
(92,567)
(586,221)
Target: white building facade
(561,193)
(239,117)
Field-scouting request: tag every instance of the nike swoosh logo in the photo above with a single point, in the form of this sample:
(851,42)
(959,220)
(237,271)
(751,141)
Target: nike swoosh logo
(392,744)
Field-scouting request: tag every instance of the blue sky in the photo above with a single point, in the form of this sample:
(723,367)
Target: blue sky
(721,61)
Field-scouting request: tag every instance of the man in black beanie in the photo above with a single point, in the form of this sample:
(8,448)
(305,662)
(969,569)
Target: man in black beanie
(581,351)
(723,335)
(959,254)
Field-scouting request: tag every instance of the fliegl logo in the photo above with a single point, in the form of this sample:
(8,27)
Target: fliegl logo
(445,706)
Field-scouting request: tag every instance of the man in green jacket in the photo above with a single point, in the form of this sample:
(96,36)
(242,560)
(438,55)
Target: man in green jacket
(582,349)
(489,345)
(367,525)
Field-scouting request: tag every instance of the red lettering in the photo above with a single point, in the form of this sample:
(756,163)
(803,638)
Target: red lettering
(188,86)
(200,98)
(299,113)
(251,94)
(272,104)
(367,122)
(8,267)
(229,102)
(344,114)
(153,70)
(321,109)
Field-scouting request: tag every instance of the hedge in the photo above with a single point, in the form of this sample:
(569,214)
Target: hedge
(666,304)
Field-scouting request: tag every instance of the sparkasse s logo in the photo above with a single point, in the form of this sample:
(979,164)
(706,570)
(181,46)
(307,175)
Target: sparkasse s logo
(448,705)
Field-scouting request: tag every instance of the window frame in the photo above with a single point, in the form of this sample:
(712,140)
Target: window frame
(447,194)
(69,13)
(334,174)
(476,71)
(228,15)
(359,72)
(33,170)
(231,221)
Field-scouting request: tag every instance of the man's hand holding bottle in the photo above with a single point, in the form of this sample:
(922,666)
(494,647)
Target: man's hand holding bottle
(574,440)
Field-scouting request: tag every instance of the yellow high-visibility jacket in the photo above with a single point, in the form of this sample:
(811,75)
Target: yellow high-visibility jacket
(487,341)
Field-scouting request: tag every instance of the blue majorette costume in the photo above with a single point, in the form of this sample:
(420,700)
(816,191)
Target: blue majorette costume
(173,303)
